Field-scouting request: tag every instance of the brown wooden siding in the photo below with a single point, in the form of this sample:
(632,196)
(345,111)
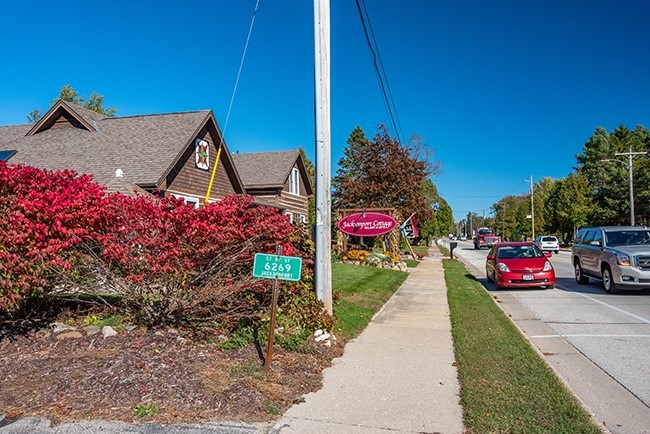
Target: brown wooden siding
(67,121)
(188,179)
(302,188)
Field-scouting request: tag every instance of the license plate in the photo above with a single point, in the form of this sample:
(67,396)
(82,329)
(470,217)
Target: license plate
(527,277)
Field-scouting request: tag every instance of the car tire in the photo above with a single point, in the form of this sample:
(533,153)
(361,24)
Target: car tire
(580,277)
(557,252)
(549,286)
(608,281)
(489,279)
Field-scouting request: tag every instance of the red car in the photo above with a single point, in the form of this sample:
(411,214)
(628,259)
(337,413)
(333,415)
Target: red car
(519,265)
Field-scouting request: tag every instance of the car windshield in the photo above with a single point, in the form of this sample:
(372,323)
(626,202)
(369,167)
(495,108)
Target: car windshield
(518,252)
(626,238)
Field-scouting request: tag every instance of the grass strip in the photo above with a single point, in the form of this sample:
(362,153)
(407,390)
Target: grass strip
(505,385)
(359,292)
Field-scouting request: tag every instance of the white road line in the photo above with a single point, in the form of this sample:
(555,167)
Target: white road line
(588,336)
(647,321)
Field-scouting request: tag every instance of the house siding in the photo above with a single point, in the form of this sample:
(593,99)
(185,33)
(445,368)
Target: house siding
(188,180)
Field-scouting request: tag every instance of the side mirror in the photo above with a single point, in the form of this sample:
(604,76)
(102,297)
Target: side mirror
(595,243)
(490,258)
(548,254)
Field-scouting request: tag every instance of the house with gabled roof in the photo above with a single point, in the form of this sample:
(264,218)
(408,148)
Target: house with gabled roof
(279,178)
(165,154)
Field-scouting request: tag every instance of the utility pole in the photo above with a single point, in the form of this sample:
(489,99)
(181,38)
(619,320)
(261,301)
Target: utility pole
(532,209)
(323,266)
(631,155)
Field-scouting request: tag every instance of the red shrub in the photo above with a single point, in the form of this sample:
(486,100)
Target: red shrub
(170,263)
(42,216)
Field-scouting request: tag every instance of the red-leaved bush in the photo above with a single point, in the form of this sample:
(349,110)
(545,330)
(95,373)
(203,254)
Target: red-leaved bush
(43,215)
(167,263)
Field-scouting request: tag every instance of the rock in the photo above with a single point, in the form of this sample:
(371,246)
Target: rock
(130,328)
(69,335)
(108,331)
(58,327)
(92,330)
(318,332)
(322,337)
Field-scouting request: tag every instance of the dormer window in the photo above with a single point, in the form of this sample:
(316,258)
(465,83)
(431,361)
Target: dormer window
(294,181)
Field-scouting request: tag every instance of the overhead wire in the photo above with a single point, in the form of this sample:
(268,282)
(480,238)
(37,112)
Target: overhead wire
(241,65)
(232,100)
(379,68)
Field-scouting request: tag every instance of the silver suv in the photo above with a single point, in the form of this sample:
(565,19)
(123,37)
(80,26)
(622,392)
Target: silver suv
(619,255)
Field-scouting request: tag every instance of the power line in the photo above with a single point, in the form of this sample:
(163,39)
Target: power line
(241,66)
(379,69)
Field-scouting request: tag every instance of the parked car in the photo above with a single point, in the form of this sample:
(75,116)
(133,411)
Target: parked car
(519,265)
(548,243)
(618,255)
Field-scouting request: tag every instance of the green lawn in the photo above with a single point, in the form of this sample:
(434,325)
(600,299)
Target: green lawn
(505,386)
(359,292)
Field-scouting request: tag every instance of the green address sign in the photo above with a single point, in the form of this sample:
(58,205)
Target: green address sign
(276,266)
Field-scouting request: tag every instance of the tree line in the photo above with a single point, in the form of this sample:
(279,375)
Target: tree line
(596,192)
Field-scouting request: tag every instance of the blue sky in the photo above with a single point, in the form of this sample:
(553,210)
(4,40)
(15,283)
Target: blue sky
(501,90)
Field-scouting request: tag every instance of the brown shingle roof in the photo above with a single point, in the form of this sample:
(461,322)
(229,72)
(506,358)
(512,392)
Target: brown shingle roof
(144,147)
(265,168)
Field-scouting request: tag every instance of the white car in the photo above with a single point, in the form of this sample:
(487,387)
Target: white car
(548,243)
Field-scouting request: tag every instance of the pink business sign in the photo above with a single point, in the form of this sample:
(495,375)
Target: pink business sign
(368,224)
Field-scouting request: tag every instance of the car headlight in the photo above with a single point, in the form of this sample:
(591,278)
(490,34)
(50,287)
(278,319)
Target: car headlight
(547,266)
(622,259)
(503,267)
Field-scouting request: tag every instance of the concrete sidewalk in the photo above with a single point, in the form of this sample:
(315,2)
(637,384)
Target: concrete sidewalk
(398,376)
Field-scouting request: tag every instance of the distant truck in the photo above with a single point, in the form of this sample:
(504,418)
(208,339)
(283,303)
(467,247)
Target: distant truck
(485,238)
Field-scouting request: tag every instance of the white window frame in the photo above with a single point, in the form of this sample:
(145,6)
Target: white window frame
(303,219)
(194,201)
(294,181)
(289,216)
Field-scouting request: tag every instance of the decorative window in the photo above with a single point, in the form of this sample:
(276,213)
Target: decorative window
(202,154)
(303,219)
(294,181)
(289,217)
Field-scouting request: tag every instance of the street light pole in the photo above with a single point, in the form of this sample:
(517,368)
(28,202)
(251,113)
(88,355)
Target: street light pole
(630,155)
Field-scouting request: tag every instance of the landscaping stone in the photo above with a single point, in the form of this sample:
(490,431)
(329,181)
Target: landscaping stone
(108,331)
(58,327)
(92,330)
(69,335)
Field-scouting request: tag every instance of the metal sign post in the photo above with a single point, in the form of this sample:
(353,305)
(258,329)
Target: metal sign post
(278,268)
(274,310)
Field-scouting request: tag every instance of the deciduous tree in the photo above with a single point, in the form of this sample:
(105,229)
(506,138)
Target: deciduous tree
(95,103)
(381,174)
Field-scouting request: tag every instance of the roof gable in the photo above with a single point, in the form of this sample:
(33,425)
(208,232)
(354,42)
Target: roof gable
(62,114)
(225,158)
(270,169)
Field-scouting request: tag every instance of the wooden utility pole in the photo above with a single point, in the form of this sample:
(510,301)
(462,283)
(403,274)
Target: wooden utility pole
(323,266)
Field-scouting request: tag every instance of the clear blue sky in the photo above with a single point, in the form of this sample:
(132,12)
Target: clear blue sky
(502,90)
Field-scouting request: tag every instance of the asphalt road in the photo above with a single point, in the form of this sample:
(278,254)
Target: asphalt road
(611,332)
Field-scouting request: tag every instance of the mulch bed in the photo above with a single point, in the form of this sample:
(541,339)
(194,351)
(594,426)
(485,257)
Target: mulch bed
(190,381)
